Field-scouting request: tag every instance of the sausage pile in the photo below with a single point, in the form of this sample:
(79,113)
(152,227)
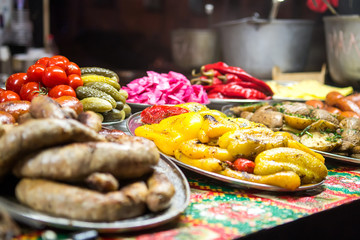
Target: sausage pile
(70,167)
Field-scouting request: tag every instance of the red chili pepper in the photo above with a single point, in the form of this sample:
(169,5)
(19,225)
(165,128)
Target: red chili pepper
(218,88)
(157,113)
(216,95)
(243,165)
(216,81)
(234,79)
(236,91)
(226,69)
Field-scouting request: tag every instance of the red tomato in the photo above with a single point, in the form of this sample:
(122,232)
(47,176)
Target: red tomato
(244,165)
(1,90)
(43,61)
(59,61)
(53,76)
(71,102)
(15,82)
(75,81)
(35,73)
(9,95)
(30,90)
(72,68)
(62,90)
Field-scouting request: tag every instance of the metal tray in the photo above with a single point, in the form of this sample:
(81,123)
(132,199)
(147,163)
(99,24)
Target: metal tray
(179,202)
(134,121)
(138,107)
(339,157)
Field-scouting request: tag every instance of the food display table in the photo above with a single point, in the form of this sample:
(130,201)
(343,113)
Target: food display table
(220,211)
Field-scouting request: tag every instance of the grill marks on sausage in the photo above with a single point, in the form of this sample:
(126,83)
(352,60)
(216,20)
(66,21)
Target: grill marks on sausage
(79,203)
(40,133)
(76,161)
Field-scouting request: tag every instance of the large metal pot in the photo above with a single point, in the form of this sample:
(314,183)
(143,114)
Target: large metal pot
(342,34)
(257,45)
(192,48)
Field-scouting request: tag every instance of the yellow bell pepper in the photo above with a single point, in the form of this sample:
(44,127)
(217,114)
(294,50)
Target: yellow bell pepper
(207,164)
(195,149)
(249,142)
(193,106)
(288,179)
(309,168)
(172,131)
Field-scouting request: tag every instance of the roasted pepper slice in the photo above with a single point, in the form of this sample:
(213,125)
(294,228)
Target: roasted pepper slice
(171,131)
(309,168)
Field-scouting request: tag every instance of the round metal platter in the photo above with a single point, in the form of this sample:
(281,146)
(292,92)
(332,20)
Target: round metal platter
(339,157)
(134,121)
(179,202)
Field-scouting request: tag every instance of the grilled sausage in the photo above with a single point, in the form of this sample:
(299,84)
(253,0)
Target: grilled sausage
(90,119)
(354,97)
(161,191)
(15,108)
(112,135)
(39,133)
(82,204)
(6,118)
(75,162)
(45,107)
(332,97)
(347,105)
(102,182)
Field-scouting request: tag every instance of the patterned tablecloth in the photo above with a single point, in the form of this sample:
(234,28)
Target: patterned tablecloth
(218,211)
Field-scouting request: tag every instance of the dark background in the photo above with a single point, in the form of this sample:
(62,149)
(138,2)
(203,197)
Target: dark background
(134,35)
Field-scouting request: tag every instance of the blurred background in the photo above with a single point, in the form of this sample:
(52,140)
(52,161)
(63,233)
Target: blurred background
(132,36)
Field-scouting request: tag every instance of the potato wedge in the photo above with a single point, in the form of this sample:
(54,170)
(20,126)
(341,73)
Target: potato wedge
(297,122)
(320,141)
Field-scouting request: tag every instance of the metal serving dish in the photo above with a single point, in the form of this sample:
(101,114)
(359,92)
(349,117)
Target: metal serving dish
(134,121)
(179,202)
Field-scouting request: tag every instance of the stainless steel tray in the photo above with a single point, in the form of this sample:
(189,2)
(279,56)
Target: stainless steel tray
(339,157)
(134,121)
(179,202)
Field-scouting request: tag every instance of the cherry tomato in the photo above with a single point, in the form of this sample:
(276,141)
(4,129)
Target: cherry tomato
(1,90)
(62,90)
(59,61)
(9,95)
(244,165)
(53,76)
(30,90)
(43,61)
(72,68)
(35,73)
(15,82)
(75,81)
(71,102)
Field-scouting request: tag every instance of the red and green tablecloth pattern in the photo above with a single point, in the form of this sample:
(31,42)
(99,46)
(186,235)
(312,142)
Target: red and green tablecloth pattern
(217,211)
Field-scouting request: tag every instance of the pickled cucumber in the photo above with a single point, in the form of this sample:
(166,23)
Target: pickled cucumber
(107,88)
(127,110)
(96,104)
(124,93)
(97,78)
(100,71)
(119,105)
(114,115)
(85,92)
